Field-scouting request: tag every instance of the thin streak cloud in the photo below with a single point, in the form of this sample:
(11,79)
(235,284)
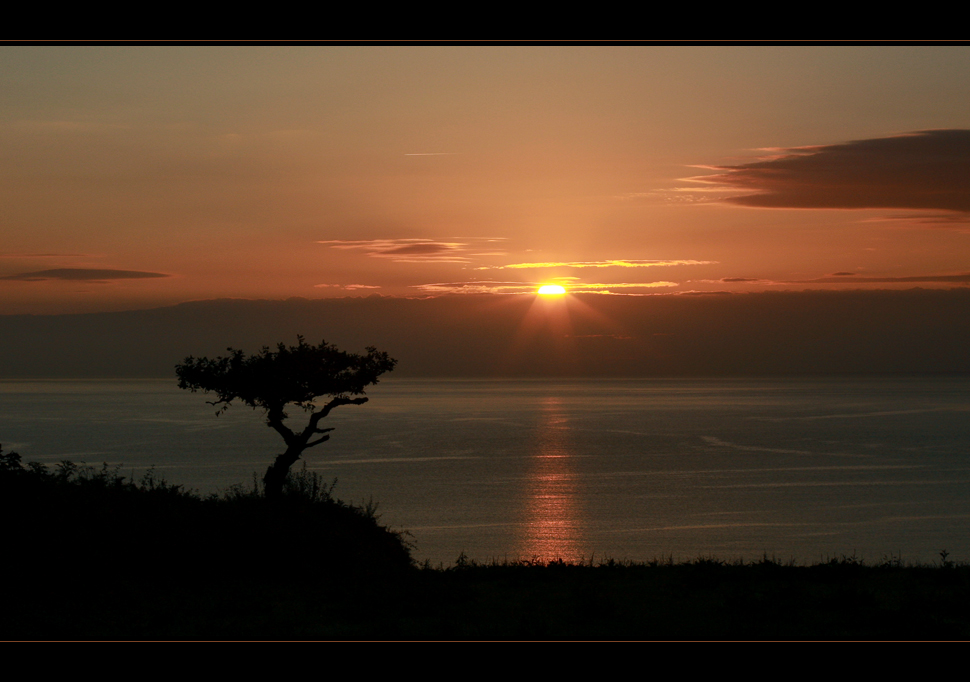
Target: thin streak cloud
(854,279)
(598,288)
(598,264)
(479,287)
(46,255)
(492,287)
(82,275)
(348,287)
(405,250)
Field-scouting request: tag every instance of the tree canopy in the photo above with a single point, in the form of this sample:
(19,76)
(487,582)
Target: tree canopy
(273,379)
(290,374)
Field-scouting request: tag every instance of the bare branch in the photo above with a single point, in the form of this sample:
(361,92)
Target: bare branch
(322,439)
(317,416)
(337,402)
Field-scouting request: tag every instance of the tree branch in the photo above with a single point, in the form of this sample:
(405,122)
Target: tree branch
(323,439)
(225,402)
(337,402)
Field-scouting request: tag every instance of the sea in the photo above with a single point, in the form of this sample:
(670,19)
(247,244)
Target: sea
(798,470)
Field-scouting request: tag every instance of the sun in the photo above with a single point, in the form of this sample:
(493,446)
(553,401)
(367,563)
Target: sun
(551,290)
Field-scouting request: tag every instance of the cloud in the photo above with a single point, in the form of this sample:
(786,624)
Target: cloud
(737,280)
(82,275)
(478,287)
(348,287)
(47,255)
(855,279)
(958,222)
(618,337)
(925,170)
(572,287)
(405,250)
(604,288)
(846,278)
(679,195)
(599,264)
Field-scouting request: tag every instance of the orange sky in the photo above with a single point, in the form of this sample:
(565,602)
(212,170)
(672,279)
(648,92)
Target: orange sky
(143,176)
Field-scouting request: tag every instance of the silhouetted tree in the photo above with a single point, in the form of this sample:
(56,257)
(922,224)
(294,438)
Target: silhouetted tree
(295,375)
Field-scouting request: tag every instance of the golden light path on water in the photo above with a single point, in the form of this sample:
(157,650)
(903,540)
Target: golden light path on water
(551,526)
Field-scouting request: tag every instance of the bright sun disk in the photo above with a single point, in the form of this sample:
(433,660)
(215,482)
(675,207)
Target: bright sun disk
(551,290)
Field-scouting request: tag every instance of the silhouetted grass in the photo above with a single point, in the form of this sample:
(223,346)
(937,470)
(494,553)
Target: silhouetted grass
(90,554)
(707,599)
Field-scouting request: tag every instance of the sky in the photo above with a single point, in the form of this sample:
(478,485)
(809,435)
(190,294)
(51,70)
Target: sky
(138,177)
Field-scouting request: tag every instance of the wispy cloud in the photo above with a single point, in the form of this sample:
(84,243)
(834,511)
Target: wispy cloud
(607,288)
(624,263)
(478,287)
(680,195)
(17,256)
(736,280)
(405,250)
(850,278)
(845,278)
(93,275)
(959,222)
(573,287)
(348,287)
(925,170)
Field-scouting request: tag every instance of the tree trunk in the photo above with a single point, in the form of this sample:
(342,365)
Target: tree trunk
(276,473)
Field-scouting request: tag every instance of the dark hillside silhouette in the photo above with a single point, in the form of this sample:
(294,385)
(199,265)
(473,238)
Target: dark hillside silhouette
(89,553)
(93,555)
(295,375)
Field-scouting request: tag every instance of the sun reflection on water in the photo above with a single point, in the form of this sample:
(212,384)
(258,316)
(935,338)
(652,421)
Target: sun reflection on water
(551,526)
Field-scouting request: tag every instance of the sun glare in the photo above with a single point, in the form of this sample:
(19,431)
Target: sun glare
(551,290)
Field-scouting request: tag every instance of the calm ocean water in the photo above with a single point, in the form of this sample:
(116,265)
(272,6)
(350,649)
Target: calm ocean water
(805,469)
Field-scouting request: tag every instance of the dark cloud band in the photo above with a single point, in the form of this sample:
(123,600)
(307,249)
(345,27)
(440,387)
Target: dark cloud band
(927,169)
(953,279)
(82,275)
